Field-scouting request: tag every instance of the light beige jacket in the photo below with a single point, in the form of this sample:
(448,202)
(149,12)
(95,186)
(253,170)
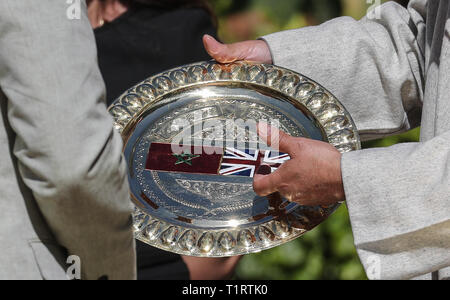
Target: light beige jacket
(63,186)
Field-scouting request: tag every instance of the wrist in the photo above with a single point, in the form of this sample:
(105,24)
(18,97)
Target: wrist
(338,192)
(264,55)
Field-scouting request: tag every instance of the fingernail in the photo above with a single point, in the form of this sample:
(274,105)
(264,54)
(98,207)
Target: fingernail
(264,170)
(213,46)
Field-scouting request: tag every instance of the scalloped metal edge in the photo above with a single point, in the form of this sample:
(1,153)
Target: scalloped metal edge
(329,112)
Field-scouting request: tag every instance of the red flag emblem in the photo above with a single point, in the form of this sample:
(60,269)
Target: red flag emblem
(211,160)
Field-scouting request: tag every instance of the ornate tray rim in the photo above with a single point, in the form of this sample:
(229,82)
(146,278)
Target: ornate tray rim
(330,114)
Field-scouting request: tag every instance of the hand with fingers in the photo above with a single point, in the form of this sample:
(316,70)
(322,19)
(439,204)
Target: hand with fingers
(312,176)
(253,51)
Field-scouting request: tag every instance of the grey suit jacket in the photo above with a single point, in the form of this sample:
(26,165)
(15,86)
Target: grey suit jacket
(392,73)
(62,176)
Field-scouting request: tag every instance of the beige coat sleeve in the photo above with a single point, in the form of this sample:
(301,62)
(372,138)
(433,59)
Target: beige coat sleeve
(69,155)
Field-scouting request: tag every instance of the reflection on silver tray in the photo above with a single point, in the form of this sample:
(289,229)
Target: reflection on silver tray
(204,205)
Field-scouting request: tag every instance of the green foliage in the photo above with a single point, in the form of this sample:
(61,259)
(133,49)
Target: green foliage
(411,136)
(327,252)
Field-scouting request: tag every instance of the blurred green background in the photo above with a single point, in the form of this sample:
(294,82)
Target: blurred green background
(326,252)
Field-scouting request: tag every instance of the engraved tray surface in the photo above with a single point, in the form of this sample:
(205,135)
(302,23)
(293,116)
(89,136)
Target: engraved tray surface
(202,204)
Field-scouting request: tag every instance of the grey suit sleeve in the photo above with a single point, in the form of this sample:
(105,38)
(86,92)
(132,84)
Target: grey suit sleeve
(68,153)
(398,197)
(374,67)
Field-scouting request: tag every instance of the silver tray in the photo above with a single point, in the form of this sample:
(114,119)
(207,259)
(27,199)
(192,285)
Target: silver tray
(200,202)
